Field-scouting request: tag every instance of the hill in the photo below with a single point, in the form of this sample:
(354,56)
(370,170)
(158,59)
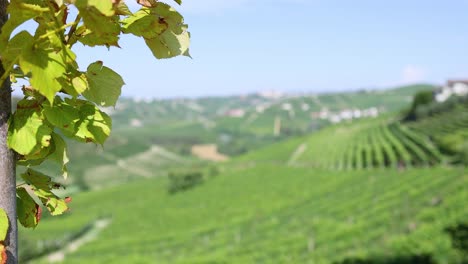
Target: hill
(372,190)
(174,126)
(269,214)
(446,125)
(370,143)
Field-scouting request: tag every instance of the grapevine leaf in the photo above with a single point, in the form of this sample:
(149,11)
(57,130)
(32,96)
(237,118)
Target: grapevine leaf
(36,158)
(122,9)
(163,29)
(46,67)
(43,186)
(104,85)
(100,126)
(20,11)
(54,204)
(15,48)
(95,126)
(169,45)
(29,212)
(144,24)
(60,154)
(3,224)
(104,7)
(27,131)
(62,115)
(80,83)
(108,38)
(101,26)
(39,180)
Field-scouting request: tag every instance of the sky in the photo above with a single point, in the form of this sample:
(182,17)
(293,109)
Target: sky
(241,47)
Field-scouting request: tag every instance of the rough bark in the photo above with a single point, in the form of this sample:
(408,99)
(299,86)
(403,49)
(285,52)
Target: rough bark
(7,161)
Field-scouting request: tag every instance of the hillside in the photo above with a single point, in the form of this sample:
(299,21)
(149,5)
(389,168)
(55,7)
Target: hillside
(174,126)
(363,190)
(370,143)
(270,214)
(446,125)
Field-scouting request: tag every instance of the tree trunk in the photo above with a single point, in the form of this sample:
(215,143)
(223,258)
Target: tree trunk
(7,160)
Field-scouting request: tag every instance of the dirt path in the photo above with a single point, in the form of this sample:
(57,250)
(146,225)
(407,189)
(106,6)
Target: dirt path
(74,245)
(297,154)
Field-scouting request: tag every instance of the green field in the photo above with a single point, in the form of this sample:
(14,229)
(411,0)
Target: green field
(374,188)
(271,214)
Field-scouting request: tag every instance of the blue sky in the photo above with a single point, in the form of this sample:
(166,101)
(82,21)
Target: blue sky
(241,46)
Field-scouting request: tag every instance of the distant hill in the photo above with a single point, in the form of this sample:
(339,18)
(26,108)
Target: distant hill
(366,188)
(235,124)
(365,144)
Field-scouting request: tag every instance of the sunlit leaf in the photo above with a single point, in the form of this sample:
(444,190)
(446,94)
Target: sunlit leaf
(105,85)
(163,29)
(46,67)
(3,224)
(43,186)
(27,131)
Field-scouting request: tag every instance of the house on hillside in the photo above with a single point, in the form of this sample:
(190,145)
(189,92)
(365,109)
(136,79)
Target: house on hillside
(453,87)
(236,113)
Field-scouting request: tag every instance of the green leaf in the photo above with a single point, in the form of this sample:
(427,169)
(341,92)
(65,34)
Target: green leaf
(93,126)
(27,131)
(3,224)
(144,24)
(62,115)
(46,67)
(20,11)
(60,154)
(104,7)
(122,9)
(39,180)
(80,83)
(100,126)
(43,186)
(169,45)
(101,26)
(163,29)
(15,48)
(29,212)
(52,202)
(105,85)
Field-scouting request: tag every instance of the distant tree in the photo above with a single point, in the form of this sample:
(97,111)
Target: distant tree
(60,100)
(421,99)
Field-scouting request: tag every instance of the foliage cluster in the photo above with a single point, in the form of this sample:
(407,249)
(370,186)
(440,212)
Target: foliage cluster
(61,100)
(179,182)
(447,128)
(420,100)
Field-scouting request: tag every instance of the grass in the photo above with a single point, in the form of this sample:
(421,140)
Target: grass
(270,214)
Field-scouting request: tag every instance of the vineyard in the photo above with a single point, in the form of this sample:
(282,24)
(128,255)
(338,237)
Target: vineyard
(270,214)
(361,145)
(449,130)
(370,189)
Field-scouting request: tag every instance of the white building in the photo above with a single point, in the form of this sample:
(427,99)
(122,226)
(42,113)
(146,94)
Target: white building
(453,87)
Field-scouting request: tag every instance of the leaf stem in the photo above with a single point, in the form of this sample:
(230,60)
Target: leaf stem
(73,29)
